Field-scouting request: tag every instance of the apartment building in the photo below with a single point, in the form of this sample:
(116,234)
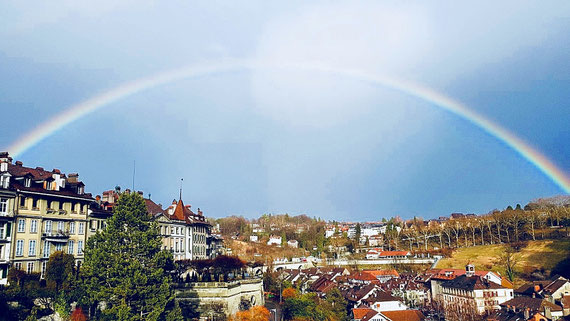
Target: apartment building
(7,210)
(184,232)
(470,291)
(49,213)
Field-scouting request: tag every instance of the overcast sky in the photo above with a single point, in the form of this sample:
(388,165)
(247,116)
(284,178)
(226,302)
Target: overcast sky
(268,141)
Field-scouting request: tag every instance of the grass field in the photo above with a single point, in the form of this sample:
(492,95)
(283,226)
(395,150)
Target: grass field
(536,255)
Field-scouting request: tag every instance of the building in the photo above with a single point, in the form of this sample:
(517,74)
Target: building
(7,210)
(184,232)
(469,292)
(274,240)
(48,211)
(293,243)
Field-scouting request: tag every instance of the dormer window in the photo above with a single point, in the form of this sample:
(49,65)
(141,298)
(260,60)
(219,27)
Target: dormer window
(80,190)
(27,182)
(5,180)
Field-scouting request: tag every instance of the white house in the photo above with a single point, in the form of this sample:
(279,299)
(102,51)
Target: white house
(274,240)
(470,290)
(293,243)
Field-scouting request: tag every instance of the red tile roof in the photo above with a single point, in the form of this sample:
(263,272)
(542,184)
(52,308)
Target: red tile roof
(404,315)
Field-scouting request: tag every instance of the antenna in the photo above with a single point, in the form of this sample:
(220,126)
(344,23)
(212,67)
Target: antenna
(134,171)
(181,180)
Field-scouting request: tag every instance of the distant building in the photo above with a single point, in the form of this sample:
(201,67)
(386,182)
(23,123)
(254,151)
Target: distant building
(293,243)
(472,291)
(274,240)
(253,238)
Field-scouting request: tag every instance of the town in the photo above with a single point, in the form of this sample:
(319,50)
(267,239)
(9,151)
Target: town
(281,267)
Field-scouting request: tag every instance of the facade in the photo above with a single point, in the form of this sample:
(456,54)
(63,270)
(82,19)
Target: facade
(470,291)
(7,210)
(184,232)
(49,213)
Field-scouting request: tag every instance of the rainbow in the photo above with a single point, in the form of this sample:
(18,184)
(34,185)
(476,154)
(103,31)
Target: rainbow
(82,109)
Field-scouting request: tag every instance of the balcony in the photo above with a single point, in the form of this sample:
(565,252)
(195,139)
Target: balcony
(6,214)
(56,235)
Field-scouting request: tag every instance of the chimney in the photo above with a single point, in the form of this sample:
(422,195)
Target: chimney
(98,199)
(5,157)
(469,270)
(536,288)
(19,163)
(56,171)
(547,313)
(72,178)
(39,168)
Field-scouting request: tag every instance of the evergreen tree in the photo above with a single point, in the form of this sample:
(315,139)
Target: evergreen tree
(125,270)
(60,270)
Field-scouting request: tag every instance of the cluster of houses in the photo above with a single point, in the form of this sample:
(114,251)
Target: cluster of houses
(43,211)
(437,293)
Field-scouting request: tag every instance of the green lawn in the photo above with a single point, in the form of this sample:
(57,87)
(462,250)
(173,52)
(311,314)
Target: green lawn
(537,254)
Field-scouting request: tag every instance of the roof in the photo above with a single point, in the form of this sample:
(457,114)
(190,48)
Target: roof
(184,214)
(152,208)
(404,315)
(369,315)
(38,175)
(470,283)
(359,313)
(381,296)
(534,304)
(377,273)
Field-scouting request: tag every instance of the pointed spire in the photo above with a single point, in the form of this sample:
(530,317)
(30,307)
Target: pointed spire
(181,180)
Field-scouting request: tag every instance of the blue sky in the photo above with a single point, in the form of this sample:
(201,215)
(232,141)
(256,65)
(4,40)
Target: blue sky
(254,142)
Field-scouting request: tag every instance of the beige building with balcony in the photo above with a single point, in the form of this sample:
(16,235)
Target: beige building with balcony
(50,213)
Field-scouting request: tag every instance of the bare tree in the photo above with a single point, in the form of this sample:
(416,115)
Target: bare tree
(531,218)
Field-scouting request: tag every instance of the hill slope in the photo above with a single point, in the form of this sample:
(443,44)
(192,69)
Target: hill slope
(536,255)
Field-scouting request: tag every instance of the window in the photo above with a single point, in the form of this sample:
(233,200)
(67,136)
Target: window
(27,182)
(34,226)
(19,247)
(71,227)
(70,246)
(81,228)
(44,266)
(4,180)
(34,203)
(79,247)
(60,226)
(59,246)
(22,201)
(2,229)
(18,265)
(48,227)
(93,225)
(61,205)
(21,225)
(49,204)
(3,205)
(30,267)
(46,249)
(32,248)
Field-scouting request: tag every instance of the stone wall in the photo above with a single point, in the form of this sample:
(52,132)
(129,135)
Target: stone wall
(204,295)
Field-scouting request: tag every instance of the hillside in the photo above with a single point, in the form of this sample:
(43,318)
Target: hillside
(536,255)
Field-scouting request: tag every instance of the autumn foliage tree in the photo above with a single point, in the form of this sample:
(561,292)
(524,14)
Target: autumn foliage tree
(289,293)
(256,313)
